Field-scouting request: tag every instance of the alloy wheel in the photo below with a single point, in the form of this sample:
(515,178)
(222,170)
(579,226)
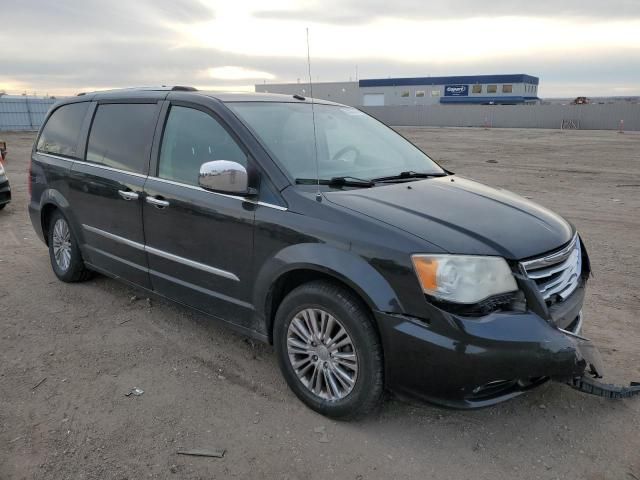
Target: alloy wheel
(322,354)
(62,244)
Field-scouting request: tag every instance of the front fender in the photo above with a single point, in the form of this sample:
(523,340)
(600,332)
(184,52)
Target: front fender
(346,266)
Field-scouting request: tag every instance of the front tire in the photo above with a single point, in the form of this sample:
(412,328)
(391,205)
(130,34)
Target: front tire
(64,252)
(329,351)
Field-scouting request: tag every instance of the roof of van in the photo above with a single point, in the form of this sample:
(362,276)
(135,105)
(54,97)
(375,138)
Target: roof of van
(222,96)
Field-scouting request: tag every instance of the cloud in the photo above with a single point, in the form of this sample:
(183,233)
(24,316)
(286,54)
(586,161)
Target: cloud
(70,46)
(366,11)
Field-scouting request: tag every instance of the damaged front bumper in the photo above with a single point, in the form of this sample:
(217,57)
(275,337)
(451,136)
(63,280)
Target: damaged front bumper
(467,363)
(588,382)
(474,361)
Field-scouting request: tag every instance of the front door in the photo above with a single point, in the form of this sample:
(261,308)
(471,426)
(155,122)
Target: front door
(199,243)
(106,189)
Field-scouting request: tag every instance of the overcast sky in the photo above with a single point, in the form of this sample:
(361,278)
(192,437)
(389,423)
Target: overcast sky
(576,47)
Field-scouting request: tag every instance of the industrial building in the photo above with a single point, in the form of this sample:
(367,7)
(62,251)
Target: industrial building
(515,89)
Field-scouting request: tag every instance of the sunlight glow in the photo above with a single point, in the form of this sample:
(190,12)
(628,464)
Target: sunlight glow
(238,73)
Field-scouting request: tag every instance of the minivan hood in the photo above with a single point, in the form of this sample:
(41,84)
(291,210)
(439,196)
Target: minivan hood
(462,216)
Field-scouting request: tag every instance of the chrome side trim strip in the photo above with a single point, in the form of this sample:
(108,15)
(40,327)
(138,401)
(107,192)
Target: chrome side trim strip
(236,197)
(192,263)
(118,259)
(206,291)
(95,165)
(111,169)
(57,157)
(271,205)
(163,254)
(194,187)
(163,180)
(115,238)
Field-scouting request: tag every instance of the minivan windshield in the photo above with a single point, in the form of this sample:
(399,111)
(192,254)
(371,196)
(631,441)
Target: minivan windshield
(349,143)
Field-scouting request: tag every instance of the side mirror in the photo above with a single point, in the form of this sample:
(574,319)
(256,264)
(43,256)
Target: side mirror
(224,176)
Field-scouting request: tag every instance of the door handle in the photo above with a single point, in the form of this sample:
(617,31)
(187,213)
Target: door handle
(157,202)
(128,194)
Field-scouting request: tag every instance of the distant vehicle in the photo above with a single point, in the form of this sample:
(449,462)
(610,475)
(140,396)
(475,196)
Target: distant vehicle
(5,188)
(317,228)
(581,101)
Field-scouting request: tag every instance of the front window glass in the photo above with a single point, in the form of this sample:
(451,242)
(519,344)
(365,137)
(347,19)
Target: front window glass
(349,143)
(191,138)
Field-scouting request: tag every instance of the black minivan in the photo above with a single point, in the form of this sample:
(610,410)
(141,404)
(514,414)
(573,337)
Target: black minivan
(313,226)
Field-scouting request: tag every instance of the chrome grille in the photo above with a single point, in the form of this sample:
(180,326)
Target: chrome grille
(558,274)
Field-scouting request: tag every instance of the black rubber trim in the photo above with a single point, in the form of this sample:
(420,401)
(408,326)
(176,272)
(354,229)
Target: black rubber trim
(606,390)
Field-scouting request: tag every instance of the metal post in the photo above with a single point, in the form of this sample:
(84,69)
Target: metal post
(26,101)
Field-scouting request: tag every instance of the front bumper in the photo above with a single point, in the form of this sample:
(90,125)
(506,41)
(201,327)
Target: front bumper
(5,191)
(469,363)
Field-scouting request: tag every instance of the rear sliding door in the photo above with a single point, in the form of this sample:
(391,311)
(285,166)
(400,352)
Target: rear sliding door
(106,188)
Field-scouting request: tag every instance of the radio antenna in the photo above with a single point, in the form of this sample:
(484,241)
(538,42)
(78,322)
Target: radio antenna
(313,119)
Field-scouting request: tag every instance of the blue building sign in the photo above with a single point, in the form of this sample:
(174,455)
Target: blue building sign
(456,90)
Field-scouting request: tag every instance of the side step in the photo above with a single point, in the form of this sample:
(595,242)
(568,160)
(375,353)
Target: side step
(607,390)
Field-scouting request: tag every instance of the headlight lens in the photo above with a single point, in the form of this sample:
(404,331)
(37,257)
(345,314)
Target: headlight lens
(463,278)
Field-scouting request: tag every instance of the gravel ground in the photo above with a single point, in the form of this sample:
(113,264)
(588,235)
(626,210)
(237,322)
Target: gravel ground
(69,353)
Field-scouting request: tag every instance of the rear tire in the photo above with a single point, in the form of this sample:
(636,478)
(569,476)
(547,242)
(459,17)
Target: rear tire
(2,206)
(64,253)
(328,334)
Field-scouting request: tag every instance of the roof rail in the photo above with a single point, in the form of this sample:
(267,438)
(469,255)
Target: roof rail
(183,88)
(176,88)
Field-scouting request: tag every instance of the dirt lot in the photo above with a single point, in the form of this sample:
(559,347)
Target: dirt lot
(69,353)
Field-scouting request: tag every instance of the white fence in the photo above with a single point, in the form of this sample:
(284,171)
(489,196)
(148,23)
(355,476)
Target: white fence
(586,117)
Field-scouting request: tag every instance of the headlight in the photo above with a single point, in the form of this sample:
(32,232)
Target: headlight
(463,278)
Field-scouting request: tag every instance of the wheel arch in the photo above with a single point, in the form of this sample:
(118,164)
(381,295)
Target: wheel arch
(51,201)
(302,263)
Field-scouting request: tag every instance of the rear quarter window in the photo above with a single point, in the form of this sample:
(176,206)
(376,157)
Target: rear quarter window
(121,135)
(61,133)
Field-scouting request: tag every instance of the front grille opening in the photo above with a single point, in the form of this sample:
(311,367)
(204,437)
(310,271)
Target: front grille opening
(492,389)
(497,388)
(558,274)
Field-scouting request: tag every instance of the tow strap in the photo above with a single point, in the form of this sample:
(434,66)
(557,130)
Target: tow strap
(607,390)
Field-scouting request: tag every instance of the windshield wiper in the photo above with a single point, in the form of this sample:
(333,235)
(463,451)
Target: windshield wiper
(347,181)
(408,175)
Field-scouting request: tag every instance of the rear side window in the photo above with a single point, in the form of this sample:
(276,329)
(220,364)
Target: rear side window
(121,136)
(61,133)
(191,138)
